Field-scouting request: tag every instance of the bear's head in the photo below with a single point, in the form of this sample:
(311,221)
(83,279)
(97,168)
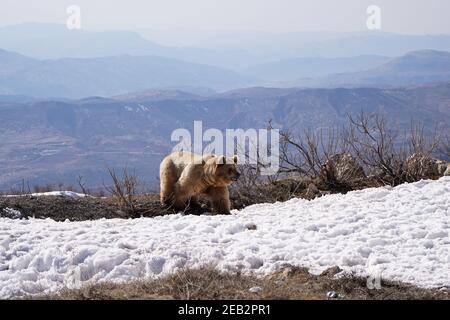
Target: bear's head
(222,169)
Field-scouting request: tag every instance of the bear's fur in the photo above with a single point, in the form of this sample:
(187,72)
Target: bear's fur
(184,176)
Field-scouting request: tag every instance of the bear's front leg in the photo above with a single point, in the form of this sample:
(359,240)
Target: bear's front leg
(193,203)
(220,199)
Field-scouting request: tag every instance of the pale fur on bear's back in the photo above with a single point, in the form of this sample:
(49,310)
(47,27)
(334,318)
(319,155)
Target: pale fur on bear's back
(184,176)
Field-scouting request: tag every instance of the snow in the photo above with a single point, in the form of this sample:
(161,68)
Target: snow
(399,233)
(67,194)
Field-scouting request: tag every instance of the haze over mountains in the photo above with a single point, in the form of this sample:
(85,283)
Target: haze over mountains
(53,41)
(105,76)
(310,67)
(416,67)
(278,46)
(115,75)
(236,51)
(48,60)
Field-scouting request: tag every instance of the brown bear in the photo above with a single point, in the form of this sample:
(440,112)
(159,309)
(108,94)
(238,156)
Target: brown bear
(185,175)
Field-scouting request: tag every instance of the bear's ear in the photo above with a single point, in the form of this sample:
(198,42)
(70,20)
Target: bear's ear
(221,160)
(235,159)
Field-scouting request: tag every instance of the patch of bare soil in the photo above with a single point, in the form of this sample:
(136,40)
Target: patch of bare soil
(79,209)
(60,208)
(288,283)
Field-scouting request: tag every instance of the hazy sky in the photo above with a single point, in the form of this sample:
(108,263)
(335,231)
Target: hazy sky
(401,16)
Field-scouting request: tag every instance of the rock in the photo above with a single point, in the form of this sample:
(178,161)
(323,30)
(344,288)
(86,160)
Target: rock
(312,191)
(11,213)
(286,272)
(255,289)
(442,166)
(447,172)
(281,274)
(331,272)
(250,226)
(343,167)
(422,166)
(332,295)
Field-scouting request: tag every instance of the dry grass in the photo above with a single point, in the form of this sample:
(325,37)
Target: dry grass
(288,283)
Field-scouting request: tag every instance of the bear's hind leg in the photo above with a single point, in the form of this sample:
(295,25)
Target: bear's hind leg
(167,193)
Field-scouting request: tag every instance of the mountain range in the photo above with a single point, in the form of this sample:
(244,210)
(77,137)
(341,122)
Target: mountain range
(313,67)
(116,75)
(54,41)
(236,50)
(417,67)
(51,141)
(105,76)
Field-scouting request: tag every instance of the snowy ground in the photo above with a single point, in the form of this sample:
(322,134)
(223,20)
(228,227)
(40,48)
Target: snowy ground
(68,194)
(400,233)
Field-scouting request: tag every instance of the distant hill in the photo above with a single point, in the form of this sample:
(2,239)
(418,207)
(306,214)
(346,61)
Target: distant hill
(7,98)
(55,41)
(414,68)
(273,46)
(155,95)
(291,69)
(52,141)
(120,75)
(376,43)
(12,62)
(235,50)
(107,76)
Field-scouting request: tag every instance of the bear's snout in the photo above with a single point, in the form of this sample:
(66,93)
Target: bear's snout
(236,176)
